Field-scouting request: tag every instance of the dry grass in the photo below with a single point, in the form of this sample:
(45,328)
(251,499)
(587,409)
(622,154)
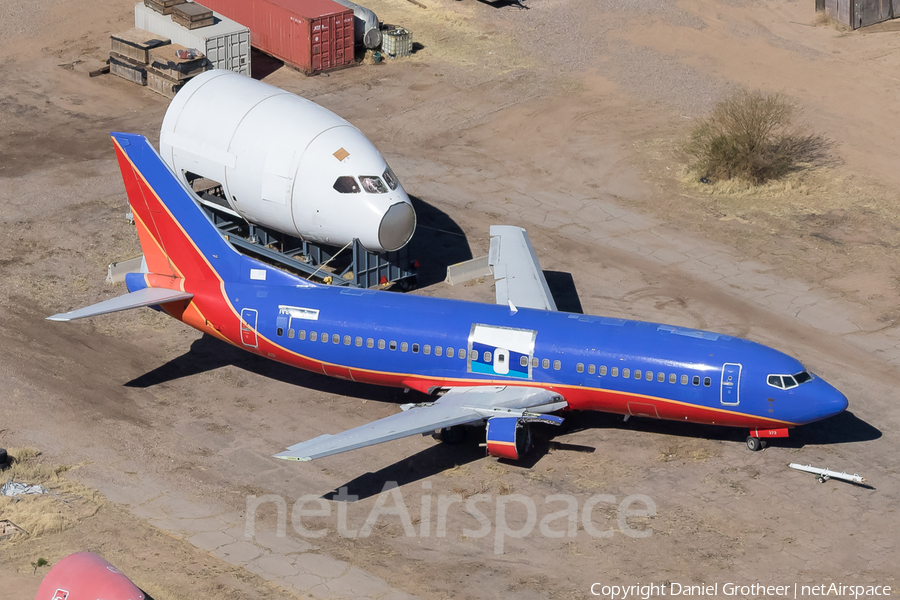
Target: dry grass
(824,18)
(67,502)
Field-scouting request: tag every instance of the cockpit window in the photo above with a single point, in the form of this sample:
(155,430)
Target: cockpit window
(391,179)
(802,377)
(346,185)
(786,382)
(373,184)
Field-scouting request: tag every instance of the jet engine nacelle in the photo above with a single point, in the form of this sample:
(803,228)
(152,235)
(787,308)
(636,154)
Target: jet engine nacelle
(508,437)
(285,162)
(87,576)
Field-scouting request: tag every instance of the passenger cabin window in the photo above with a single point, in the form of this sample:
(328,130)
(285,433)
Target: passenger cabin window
(346,185)
(358,342)
(347,340)
(557,365)
(488,357)
(545,364)
(580,367)
(324,337)
(393,345)
(415,348)
(661,377)
(534,362)
(390,179)
(473,354)
(637,373)
(602,369)
(461,353)
(373,184)
(626,372)
(426,349)
(707,382)
(404,347)
(381,344)
(696,380)
(301,335)
(591,369)
(673,378)
(291,333)
(684,380)
(438,350)
(450,352)
(313,336)
(370,343)
(649,376)
(523,361)
(336,339)
(614,371)
(279,331)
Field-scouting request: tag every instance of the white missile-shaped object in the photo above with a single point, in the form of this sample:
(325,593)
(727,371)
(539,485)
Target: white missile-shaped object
(285,162)
(826,474)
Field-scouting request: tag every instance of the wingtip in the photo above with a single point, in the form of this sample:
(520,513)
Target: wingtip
(290,457)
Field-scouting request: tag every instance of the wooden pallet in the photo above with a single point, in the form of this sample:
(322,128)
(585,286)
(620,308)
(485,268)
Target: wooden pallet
(128,68)
(162,84)
(163,7)
(192,15)
(165,61)
(136,44)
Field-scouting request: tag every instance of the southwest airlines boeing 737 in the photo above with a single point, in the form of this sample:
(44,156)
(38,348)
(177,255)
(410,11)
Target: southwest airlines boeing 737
(509,365)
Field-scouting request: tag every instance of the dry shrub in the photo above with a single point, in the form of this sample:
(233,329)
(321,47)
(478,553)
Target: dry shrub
(751,136)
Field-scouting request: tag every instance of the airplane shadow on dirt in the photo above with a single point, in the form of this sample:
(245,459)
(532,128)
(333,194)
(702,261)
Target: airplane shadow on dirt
(842,429)
(437,243)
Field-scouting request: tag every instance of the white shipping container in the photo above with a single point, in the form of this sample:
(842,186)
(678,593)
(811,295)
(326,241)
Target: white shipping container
(226,44)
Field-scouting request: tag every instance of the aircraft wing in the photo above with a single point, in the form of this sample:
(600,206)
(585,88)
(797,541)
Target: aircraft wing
(457,407)
(144,297)
(517,274)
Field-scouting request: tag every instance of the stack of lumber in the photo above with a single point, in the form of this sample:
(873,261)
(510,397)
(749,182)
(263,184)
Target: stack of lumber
(163,7)
(171,66)
(192,15)
(130,53)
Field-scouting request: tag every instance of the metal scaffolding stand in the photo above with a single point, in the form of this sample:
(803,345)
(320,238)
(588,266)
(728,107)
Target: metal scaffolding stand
(351,266)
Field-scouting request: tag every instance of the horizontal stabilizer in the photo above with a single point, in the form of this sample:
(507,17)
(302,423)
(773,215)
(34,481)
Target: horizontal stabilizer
(518,278)
(458,406)
(144,297)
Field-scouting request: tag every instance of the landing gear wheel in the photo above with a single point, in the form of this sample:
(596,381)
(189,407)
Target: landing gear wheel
(754,443)
(454,436)
(3,458)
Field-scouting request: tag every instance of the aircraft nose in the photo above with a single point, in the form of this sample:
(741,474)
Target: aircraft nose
(829,400)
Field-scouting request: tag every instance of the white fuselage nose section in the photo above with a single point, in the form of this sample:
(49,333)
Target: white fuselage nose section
(285,162)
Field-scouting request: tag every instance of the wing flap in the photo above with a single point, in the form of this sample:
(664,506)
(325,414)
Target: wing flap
(404,424)
(517,273)
(144,297)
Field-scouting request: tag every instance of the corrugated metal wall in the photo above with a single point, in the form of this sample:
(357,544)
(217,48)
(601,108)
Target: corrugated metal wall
(859,13)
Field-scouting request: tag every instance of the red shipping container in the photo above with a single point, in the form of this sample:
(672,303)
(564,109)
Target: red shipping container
(312,35)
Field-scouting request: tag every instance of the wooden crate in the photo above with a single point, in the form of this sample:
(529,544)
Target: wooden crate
(128,68)
(192,15)
(165,61)
(136,44)
(161,84)
(163,7)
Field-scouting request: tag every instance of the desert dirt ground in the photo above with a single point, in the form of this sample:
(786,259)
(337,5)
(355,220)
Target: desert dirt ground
(566,119)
